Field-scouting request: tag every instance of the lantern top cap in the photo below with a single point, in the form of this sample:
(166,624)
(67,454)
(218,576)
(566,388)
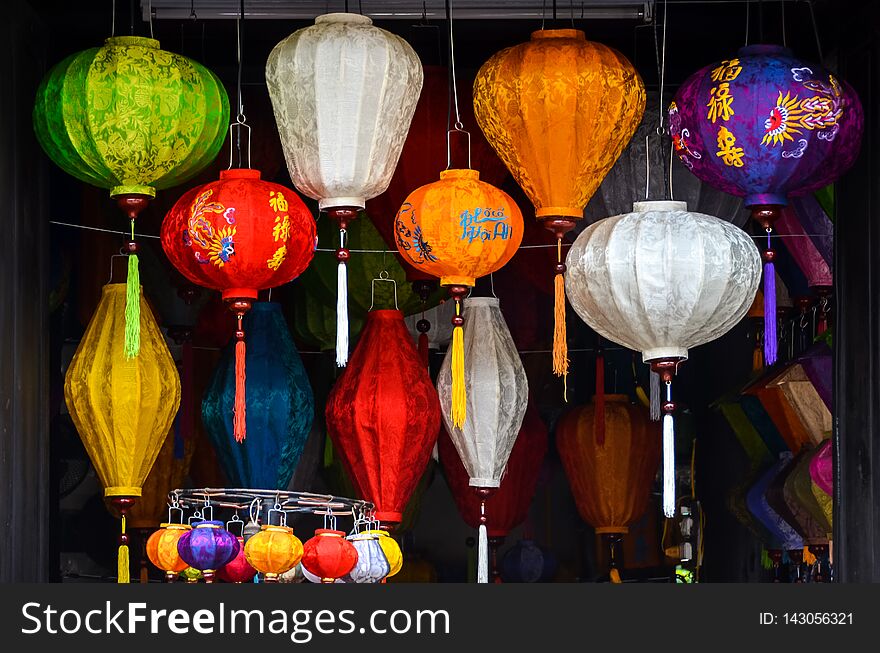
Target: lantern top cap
(460,173)
(142,41)
(618,398)
(175,527)
(481,301)
(559,34)
(342,17)
(210,524)
(328,532)
(385,314)
(659,205)
(240,173)
(765,48)
(277,529)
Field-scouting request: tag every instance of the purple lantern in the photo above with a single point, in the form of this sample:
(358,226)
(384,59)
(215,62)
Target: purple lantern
(765,126)
(822,469)
(208,547)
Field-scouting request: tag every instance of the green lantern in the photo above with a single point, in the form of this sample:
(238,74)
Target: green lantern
(132,118)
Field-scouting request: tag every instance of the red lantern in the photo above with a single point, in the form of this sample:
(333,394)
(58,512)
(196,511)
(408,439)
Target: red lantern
(383,415)
(328,555)
(424,155)
(239,235)
(237,570)
(509,505)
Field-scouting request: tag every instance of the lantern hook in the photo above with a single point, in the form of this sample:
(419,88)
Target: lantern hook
(383,277)
(113,256)
(236,520)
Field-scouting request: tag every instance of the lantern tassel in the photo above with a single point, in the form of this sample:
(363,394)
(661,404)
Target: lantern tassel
(483,556)
(423,348)
(122,562)
(459,394)
(655,396)
(668,466)
(239,422)
(341,315)
(132,308)
(757,359)
(614,575)
(560,342)
(599,403)
(769,306)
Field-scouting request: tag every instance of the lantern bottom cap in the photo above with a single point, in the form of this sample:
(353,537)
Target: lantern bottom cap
(240,293)
(133,189)
(327,203)
(757,199)
(389,516)
(484,482)
(122,491)
(664,352)
(612,530)
(559,212)
(458,281)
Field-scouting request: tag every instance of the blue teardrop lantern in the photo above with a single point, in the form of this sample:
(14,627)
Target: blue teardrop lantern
(280,404)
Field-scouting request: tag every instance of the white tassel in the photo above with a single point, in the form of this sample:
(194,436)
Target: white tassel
(483,556)
(668,466)
(655,396)
(341,316)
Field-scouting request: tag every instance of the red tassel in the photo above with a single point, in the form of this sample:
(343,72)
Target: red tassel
(423,348)
(599,401)
(238,421)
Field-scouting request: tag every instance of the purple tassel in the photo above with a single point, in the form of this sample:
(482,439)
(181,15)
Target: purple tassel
(769,313)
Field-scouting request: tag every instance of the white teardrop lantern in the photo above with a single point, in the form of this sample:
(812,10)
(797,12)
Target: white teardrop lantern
(344,93)
(496,403)
(661,280)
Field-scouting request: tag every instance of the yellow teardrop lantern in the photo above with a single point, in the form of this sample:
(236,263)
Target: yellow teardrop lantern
(122,408)
(559,110)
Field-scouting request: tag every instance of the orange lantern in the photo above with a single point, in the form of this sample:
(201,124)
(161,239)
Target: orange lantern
(458,229)
(559,110)
(610,475)
(162,550)
(274,550)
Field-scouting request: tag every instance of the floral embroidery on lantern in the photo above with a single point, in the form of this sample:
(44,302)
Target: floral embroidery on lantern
(220,248)
(785,119)
(277,258)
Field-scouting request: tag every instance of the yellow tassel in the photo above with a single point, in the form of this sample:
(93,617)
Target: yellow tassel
(122,575)
(809,558)
(560,345)
(615,576)
(757,359)
(459,395)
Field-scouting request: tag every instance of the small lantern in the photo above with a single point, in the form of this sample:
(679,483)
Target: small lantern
(391,549)
(162,549)
(372,565)
(238,570)
(328,555)
(208,547)
(273,551)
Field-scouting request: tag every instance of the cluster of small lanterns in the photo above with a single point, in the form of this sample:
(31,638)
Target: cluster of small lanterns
(209,550)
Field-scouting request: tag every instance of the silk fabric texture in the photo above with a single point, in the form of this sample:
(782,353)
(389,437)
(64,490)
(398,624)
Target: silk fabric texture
(383,415)
(661,280)
(131,117)
(280,404)
(344,93)
(497,395)
(122,408)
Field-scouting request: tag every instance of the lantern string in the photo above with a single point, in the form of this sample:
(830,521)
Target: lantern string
(784,36)
(458,126)
(131,16)
(113,18)
(748,20)
(816,32)
(150,12)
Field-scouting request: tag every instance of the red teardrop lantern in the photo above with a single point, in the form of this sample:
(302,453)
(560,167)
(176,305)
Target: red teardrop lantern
(328,555)
(239,235)
(508,506)
(383,415)
(424,155)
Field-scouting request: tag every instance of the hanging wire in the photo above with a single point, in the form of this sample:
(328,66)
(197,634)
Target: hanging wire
(150,12)
(784,39)
(458,126)
(240,123)
(816,32)
(660,56)
(543,13)
(748,20)
(113,18)
(571,11)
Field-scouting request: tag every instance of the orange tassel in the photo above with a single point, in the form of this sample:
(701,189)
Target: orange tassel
(423,348)
(599,403)
(757,359)
(238,423)
(560,343)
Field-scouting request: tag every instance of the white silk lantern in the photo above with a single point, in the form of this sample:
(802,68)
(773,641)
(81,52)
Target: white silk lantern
(344,93)
(372,565)
(661,280)
(496,403)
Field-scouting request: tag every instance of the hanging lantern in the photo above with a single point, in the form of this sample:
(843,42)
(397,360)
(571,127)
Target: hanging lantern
(383,415)
(238,570)
(508,506)
(208,547)
(458,229)
(611,475)
(783,536)
(425,152)
(191,575)
(344,93)
(765,126)
(372,565)
(559,110)
(162,550)
(494,413)
(122,408)
(280,404)
(328,555)
(273,551)
(239,235)
(662,280)
(391,549)
(131,118)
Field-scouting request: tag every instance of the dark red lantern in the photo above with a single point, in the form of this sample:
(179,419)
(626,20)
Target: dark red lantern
(383,415)
(239,235)
(424,155)
(509,505)
(328,555)
(237,570)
